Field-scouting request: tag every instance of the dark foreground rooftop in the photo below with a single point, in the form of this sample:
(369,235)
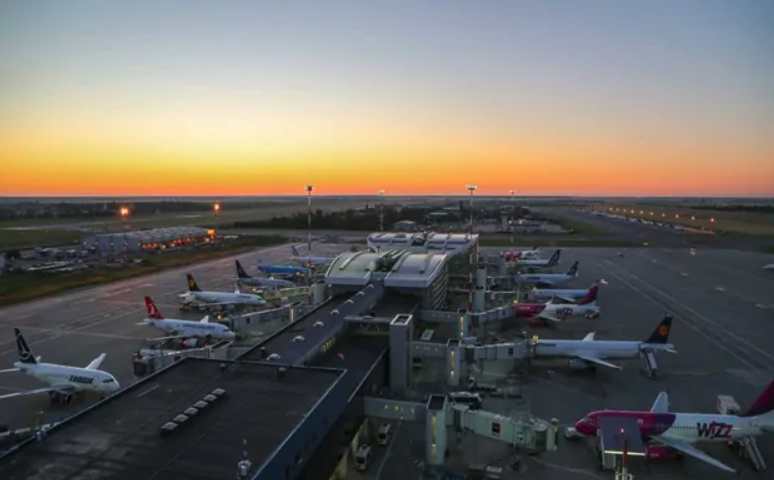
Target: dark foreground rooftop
(121,439)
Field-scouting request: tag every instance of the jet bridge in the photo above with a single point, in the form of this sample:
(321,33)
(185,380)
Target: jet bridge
(150,360)
(524,432)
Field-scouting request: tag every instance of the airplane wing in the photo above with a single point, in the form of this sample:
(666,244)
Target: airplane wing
(689,449)
(38,391)
(661,405)
(9,370)
(599,361)
(566,299)
(547,316)
(95,364)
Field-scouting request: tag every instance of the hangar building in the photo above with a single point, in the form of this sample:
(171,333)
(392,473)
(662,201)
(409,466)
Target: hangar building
(145,240)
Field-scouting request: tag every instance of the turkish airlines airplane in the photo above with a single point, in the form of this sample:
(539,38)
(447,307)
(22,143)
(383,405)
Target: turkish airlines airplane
(558,312)
(63,381)
(185,329)
(679,431)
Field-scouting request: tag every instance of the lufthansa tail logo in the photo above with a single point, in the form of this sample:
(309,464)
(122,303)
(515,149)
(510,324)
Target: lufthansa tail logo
(663,330)
(191,283)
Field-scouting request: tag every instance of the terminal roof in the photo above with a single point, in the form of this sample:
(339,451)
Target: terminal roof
(120,438)
(422,241)
(401,269)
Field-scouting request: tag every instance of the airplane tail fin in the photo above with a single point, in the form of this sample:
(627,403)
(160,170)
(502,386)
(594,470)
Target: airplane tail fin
(591,296)
(295,251)
(762,405)
(153,311)
(661,333)
(573,271)
(554,260)
(240,270)
(192,285)
(25,354)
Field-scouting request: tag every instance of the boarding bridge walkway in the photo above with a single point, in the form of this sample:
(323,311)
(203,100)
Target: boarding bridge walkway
(299,342)
(525,432)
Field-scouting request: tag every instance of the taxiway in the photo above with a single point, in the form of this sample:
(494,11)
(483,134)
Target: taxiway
(76,327)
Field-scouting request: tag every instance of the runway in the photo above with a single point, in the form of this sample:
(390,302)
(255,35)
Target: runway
(76,327)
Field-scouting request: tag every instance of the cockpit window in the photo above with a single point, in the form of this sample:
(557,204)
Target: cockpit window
(109,380)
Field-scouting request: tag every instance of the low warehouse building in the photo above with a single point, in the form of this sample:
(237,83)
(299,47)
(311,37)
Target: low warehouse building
(145,240)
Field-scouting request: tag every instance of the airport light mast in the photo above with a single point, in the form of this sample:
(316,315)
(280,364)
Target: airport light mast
(511,219)
(473,255)
(309,189)
(381,210)
(124,213)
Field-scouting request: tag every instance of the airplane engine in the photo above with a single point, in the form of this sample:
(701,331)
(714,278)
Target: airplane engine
(189,343)
(577,364)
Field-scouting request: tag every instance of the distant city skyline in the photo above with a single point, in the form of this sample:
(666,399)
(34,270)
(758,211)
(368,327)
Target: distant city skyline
(245,98)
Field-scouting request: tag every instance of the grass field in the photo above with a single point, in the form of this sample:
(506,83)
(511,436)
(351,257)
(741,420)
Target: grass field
(732,222)
(56,232)
(580,228)
(22,287)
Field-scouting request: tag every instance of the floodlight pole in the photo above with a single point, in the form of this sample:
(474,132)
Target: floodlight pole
(309,189)
(381,210)
(473,255)
(511,219)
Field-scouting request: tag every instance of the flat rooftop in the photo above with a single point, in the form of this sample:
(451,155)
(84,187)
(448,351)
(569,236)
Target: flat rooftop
(120,439)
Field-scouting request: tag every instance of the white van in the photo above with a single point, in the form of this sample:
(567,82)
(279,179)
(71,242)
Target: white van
(384,434)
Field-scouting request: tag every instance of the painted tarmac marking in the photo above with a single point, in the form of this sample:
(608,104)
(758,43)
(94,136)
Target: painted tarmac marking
(676,305)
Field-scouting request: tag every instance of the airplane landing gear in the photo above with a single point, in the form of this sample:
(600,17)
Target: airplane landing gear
(60,398)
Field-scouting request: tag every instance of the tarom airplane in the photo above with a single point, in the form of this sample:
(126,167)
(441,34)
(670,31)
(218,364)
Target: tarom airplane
(558,312)
(185,329)
(590,352)
(258,282)
(309,259)
(541,262)
(571,295)
(514,255)
(63,381)
(679,431)
(197,296)
(548,279)
(282,270)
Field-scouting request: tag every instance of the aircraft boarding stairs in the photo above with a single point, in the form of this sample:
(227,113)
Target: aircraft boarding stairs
(747,446)
(649,365)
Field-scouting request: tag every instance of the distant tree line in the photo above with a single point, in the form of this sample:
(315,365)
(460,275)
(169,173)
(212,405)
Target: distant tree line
(366,219)
(736,207)
(38,210)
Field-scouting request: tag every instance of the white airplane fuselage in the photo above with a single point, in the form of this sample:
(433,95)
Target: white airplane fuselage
(225,298)
(548,278)
(535,263)
(266,283)
(603,349)
(571,293)
(187,328)
(80,379)
(708,427)
(566,310)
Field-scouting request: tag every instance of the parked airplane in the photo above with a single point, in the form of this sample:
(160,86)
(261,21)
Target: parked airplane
(548,279)
(589,351)
(571,295)
(541,262)
(679,431)
(64,380)
(185,329)
(282,270)
(259,282)
(558,312)
(196,296)
(309,259)
(521,254)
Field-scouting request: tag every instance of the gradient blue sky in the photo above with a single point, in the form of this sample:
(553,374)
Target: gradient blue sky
(653,94)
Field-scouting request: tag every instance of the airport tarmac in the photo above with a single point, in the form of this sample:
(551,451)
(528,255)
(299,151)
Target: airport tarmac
(724,347)
(76,327)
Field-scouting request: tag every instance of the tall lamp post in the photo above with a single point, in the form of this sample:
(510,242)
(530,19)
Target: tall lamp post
(309,189)
(124,212)
(381,210)
(215,212)
(510,220)
(473,255)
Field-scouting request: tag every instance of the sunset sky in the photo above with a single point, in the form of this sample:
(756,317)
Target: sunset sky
(587,97)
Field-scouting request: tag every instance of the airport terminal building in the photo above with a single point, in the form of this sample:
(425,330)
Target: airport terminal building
(147,240)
